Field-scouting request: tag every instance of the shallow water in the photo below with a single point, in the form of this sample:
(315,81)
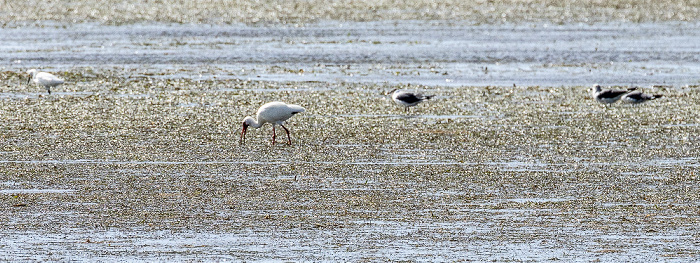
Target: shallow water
(36,191)
(414,52)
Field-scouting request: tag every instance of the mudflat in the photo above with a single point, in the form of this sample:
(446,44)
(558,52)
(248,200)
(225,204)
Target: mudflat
(137,156)
(152,169)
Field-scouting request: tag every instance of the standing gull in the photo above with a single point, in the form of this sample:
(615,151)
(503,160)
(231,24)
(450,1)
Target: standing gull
(639,97)
(47,80)
(274,113)
(407,99)
(608,96)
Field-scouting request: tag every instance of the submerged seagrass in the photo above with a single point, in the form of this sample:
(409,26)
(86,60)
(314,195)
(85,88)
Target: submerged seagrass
(283,12)
(121,162)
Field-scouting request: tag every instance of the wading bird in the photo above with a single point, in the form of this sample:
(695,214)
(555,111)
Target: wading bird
(274,113)
(407,99)
(608,96)
(47,80)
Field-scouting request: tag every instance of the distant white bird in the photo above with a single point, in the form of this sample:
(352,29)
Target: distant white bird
(407,99)
(274,113)
(608,96)
(47,80)
(639,97)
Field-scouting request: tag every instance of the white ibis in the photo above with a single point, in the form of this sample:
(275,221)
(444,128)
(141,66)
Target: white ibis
(639,97)
(407,99)
(47,80)
(274,113)
(608,96)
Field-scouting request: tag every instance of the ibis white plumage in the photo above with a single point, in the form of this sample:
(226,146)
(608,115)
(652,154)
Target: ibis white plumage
(45,79)
(275,113)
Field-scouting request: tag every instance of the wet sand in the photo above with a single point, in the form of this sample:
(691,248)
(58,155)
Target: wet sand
(267,12)
(137,156)
(150,169)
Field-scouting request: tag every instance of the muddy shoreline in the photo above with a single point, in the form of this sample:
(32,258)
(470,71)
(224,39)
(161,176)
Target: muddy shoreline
(305,12)
(137,157)
(151,168)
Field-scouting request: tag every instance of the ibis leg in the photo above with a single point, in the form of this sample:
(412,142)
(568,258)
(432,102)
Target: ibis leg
(273,135)
(289,138)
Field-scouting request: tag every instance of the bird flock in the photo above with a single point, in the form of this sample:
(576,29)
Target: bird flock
(276,113)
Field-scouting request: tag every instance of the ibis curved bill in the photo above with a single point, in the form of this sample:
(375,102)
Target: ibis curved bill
(275,113)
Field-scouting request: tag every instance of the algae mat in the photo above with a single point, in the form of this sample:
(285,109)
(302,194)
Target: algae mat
(144,168)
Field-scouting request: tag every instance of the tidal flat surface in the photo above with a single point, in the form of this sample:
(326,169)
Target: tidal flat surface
(436,53)
(18,12)
(137,156)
